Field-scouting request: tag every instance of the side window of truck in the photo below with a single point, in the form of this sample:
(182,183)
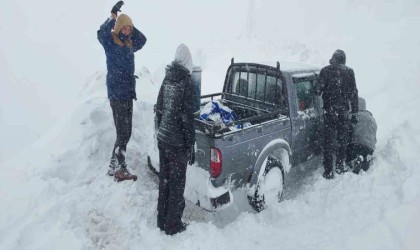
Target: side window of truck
(305,93)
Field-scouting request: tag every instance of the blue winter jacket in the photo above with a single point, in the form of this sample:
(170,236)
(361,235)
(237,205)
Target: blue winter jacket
(120,79)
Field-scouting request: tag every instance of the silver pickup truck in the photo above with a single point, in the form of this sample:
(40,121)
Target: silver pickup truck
(277,126)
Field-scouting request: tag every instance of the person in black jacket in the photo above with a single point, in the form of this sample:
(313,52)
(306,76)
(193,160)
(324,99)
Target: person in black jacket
(120,40)
(339,92)
(176,137)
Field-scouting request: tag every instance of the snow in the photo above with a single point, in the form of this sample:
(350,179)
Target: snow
(293,66)
(54,193)
(303,75)
(272,186)
(199,190)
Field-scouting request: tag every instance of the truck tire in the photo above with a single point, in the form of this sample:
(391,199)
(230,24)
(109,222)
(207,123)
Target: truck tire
(270,185)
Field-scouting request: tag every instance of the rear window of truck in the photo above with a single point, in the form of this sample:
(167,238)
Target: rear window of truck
(257,84)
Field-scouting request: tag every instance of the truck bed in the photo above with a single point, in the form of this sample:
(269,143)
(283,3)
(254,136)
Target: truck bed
(244,115)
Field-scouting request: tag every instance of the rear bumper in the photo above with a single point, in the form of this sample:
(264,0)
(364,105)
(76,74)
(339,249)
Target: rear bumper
(220,202)
(200,190)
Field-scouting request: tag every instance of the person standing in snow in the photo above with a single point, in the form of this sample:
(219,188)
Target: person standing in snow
(176,137)
(337,85)
(120,40)
(363,140)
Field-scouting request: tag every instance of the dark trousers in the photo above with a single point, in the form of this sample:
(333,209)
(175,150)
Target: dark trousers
(172,174)
(336,138)
(122,111)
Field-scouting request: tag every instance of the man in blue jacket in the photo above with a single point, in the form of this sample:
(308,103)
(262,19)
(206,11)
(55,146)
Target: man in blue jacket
(120,40)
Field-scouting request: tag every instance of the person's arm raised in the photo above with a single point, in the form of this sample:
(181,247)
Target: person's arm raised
(138,38)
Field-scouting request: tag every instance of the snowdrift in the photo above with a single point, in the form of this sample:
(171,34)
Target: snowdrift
(55,194)
(58,196)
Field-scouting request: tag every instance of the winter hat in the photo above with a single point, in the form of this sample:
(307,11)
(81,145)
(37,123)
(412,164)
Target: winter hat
(122,21)
(339,57)
(184,58)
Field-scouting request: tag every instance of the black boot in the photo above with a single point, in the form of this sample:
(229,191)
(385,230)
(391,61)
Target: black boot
(328,175)
(161,225)
(341,168)
(357,164)
(179,228)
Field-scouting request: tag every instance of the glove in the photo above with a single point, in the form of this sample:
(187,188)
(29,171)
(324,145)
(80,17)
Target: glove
(192,155)
(354,119)
(117,8)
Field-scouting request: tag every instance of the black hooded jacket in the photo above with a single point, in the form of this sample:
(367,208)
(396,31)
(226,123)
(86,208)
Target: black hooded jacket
(338,85)
(175,108)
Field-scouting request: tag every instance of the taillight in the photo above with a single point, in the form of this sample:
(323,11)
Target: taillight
(215,162)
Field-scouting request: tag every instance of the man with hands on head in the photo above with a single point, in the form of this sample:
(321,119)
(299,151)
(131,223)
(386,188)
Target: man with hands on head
(120,40)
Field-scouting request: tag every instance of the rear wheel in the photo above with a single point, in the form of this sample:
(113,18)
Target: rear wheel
(269,189)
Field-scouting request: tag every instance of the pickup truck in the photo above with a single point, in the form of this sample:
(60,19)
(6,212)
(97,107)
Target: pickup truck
(277,126)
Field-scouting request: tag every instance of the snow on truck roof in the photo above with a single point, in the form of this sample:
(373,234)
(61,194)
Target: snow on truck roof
(289,66)
(293,66)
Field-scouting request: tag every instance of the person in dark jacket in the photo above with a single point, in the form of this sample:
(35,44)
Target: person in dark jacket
(120,40)
(337,85)
(176,137)
(362,140)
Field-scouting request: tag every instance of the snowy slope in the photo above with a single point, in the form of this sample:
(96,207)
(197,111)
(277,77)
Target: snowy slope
(55,194)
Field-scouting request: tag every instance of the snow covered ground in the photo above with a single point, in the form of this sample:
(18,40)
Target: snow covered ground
(54,194)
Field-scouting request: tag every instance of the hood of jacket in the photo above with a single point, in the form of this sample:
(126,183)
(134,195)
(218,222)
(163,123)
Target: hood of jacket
(339,57)
(184,58)
(122,20)
(120,39)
